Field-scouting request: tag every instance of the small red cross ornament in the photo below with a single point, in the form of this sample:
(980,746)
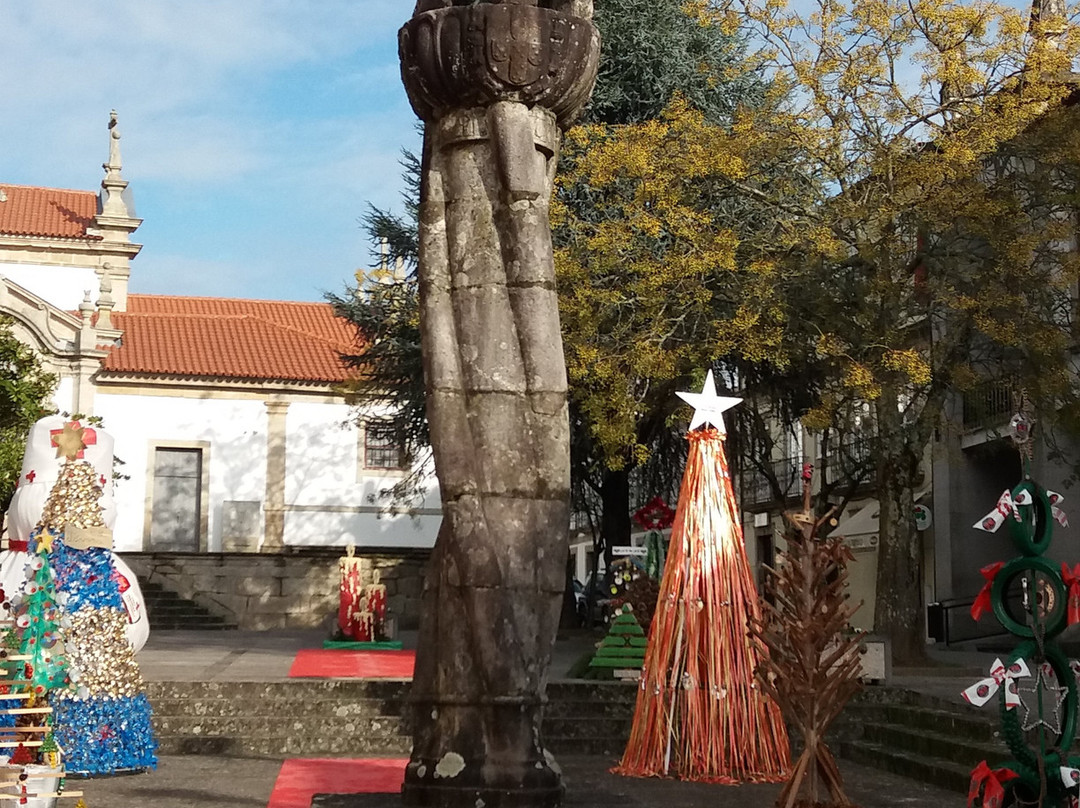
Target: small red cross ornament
(30,475)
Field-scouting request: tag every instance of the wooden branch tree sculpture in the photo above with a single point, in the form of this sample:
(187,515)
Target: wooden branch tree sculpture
(495,83)
(809,666)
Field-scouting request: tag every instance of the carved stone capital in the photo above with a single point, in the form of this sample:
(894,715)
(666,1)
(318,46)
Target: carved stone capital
(456,57)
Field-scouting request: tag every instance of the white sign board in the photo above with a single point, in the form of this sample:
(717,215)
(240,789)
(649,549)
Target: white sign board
(626,550)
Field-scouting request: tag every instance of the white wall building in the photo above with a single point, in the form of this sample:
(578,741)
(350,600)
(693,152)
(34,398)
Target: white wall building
(226,413)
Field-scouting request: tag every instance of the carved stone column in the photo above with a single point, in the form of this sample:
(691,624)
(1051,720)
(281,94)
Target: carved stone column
(494,83)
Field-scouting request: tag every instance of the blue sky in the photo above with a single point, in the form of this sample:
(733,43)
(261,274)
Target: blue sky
(254,131)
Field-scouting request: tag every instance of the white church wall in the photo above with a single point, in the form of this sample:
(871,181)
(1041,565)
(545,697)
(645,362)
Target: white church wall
(324,471)
(64,394)
(234,429)
(64,287)
(319,528)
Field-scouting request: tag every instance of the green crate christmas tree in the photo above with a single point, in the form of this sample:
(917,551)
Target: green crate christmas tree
(623,649)
(1035,599)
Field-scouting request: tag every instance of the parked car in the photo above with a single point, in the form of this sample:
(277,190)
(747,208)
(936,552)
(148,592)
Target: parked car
(600,598)
(581,603)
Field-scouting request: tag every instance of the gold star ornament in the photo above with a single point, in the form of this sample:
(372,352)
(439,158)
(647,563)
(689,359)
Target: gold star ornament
(45,542)
(69,441)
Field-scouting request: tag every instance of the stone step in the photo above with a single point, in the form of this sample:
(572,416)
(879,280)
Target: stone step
(559,708)
(371,727)
(277,746)
(613,747)
(276,708)
(973,724)
(299,689)
(177,607)
(946,774)
(587,727)
(356,720)
(192,625)
(167,610)
(355,717)
(188,621)
(343,744)
(564,699)
(937,745)
(319,708)
(162,596)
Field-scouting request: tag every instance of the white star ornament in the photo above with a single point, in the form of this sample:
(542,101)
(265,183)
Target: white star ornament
(708,407)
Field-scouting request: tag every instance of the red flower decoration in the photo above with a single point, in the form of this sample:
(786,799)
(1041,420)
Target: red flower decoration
(654,515)
(1071,577)
(990,783)
(982,602)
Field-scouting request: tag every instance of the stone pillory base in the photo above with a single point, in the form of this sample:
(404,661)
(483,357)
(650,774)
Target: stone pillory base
(494,82)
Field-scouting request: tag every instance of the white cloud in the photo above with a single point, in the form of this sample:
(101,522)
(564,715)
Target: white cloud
(254,131)
(184,75)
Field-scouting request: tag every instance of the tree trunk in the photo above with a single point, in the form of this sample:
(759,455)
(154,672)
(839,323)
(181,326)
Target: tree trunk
(899,612)
(493,83)
(615,516)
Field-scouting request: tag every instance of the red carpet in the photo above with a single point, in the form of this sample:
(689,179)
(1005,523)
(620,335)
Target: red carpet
(300,779)
(334,664)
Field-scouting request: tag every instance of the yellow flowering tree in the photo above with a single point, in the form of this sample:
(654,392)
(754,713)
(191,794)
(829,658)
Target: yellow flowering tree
(938,236)
(891,221)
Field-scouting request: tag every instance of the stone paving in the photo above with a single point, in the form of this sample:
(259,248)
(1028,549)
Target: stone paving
(209,782)
(203,782)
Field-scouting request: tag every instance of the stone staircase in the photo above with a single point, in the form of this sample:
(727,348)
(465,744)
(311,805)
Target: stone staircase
(899,731)
(356,717)
(167,610)
(918,736)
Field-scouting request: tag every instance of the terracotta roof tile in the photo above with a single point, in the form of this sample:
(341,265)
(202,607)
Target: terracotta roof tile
(231,338)
(48,212)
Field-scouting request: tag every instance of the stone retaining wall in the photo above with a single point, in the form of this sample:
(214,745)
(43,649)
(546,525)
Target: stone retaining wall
(293,589)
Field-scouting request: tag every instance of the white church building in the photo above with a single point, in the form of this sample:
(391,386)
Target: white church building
(227,413)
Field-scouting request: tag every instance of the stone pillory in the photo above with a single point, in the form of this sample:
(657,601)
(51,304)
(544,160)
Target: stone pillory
(495,82)
(456,56)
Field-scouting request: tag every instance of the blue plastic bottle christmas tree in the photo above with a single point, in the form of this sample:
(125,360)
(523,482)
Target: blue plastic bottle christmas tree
(103,725)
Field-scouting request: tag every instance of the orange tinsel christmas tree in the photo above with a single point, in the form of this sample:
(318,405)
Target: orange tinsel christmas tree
(699,713)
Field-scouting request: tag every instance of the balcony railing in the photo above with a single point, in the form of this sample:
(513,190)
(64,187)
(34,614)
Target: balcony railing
(989,404)
(853,461)
(757,489)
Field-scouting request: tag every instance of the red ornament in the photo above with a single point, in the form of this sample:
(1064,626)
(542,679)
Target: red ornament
(30,475)
(22,756)
(654,515)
